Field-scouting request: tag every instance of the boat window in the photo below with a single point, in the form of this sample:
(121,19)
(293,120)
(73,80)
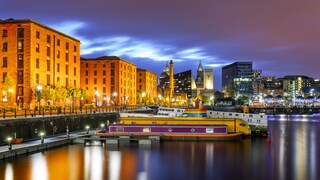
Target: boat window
(146,130)
(250,115)
(230,114)
(210,113)
(237,114)
(119,129)
(261,116)
(242,124)
(154,122)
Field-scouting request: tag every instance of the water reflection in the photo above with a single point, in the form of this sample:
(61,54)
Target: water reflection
(293,153)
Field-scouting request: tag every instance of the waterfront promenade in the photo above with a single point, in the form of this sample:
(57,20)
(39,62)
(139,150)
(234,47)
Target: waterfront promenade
(34,146)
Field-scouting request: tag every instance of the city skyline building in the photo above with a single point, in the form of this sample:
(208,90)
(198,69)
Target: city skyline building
(34,55)
(237,80)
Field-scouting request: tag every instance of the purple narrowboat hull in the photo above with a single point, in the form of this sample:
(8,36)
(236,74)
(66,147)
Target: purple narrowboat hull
(165,129)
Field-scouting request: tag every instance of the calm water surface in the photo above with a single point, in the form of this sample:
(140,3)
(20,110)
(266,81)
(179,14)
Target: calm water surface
(293,153)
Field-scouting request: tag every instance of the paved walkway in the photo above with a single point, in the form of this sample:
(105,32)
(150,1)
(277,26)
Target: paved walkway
(5,148)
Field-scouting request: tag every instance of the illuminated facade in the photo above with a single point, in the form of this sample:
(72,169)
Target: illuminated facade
(147,83)
(237,79)
(109,80)
(33,54)
(208,79)
(292,85)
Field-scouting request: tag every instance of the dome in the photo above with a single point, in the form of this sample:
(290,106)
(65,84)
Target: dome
(164,75)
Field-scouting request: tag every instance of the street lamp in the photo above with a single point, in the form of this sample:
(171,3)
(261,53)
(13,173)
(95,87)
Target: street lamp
(143,100)
(96,94)
(42,137)
(114,95)
(212,100)
(160,98)
(87,128)
(38,91)
(9,139)
(102,126)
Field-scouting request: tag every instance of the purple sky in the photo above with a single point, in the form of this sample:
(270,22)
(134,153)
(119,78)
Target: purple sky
(279,37)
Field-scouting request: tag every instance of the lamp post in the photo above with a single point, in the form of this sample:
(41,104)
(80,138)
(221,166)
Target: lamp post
(159,99)
(212,100)
(38,91)
(96,94)
(143,100)
(102,126)
(9,139)
(42,137)
(114,95)
(87,128)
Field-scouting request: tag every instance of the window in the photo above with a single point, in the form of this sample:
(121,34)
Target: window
(112,72)
(37,63)
(75,59)
(112,65)
(58,79)
(95,73)
(67,46)
(4,62)
(67,82)
(4,75)
(86,81)
(104,72)
(5,47)
(95,65)
(67,69)
(104,90)
(104,81)
(37,47)
(95,80)
(104,65)
(58,67)
(74,83)
(140,80)
(20,32)
(20,60)
(37,78)
(87,73)
(58,42)
(75,48)
(87,65)
(48,79)
(140,87)
(58,54)
(67,57)
(74,71)
(48,38)
(20,90)
(20,45)
(48,65)
(20,77)
(5,33)
(48,51)
(38,35)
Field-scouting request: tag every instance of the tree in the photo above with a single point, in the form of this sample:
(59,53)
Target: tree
(139,97)
(7,87)
(48,94)
(61,93)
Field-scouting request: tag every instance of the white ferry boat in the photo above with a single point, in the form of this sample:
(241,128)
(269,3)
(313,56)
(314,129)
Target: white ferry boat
(256,120)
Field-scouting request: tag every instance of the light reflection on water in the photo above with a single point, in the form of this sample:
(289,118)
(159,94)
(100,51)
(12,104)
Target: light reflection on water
(293,153)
